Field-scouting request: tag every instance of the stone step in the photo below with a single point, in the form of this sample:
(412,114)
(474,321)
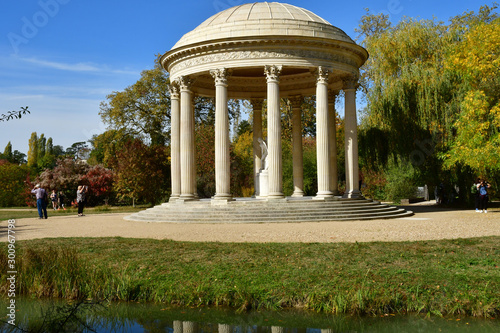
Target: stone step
(320,218)
(271,207)
(262,211)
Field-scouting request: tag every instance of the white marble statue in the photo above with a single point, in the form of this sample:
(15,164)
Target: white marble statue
(263,148)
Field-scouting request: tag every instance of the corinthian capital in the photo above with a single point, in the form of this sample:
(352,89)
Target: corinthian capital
(256,104)
(184,82)
(322,74)
(220,76)
(350,82)
(332,95)
(173,88)
(296,101)
(272,72)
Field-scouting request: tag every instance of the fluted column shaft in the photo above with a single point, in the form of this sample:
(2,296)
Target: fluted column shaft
(187,140)
(177,326)
(274,133)
(351,141)
(175,123)
(189,327)
(222,161)
(332,134)
(257,133)
(322,137)
(297,153)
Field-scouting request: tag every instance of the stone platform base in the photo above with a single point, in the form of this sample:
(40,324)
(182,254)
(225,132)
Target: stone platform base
(251,210)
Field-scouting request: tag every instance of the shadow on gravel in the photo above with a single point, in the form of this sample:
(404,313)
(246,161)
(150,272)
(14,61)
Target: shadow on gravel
(431,207)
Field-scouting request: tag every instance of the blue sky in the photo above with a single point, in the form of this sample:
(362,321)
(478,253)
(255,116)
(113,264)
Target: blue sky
(62,57)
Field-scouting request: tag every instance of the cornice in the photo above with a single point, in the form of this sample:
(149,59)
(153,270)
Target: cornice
(279,44)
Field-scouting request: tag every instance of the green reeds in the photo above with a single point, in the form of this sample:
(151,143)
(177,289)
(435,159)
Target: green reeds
(459,277)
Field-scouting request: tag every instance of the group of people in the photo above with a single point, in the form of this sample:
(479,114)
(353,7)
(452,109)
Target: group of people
(480,191)
(57,200)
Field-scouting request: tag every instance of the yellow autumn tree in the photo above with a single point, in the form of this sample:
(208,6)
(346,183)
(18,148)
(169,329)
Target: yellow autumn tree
(477,60)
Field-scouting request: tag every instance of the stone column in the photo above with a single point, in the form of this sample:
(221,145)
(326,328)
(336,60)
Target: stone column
(189,327)
(222,161)
(298,167)
(195,188)
(225,328)
(177,326)
(351,140)
(175,162)
(332,134)
(274,132)
(187,140)
(257,133)
(322,137)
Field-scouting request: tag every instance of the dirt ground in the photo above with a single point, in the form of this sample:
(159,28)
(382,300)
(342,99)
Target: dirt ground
(428,223)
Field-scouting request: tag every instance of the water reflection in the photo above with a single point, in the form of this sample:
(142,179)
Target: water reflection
(132,317)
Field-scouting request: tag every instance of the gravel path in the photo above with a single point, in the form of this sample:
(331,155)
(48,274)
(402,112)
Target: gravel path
(428,223)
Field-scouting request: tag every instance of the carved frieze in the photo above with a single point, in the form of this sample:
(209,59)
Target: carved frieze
(202,58)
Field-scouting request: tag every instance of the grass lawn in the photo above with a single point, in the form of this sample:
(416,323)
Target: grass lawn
(27,212)
(440,277)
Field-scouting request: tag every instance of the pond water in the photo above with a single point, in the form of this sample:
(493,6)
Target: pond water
(32,315)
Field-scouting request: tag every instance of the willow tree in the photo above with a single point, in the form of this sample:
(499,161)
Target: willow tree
(409,98)
(413,98)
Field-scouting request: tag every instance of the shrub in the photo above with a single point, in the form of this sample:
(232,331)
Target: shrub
(400,181)
(13,184)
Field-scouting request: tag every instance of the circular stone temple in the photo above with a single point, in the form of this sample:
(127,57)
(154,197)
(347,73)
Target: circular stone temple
(264,52)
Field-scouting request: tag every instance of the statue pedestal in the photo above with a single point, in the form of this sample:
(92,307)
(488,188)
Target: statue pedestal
(262,189)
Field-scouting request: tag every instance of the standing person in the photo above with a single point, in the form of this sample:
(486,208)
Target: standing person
(483,196)
(61,200)
(80,198)
(53,198)
(475,192)
(41,201)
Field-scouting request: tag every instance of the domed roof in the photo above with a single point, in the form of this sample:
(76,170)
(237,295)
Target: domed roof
(262,19)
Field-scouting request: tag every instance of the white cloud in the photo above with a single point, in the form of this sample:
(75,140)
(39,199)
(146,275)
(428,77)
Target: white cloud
(78,67)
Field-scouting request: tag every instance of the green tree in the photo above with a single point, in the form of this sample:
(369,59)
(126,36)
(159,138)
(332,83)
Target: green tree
(7,153)
(105,145)
(78,150)
(33,150)
(142,172)
(49,147)
(18,157)
(42,145)
(12,183)
(142,109)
